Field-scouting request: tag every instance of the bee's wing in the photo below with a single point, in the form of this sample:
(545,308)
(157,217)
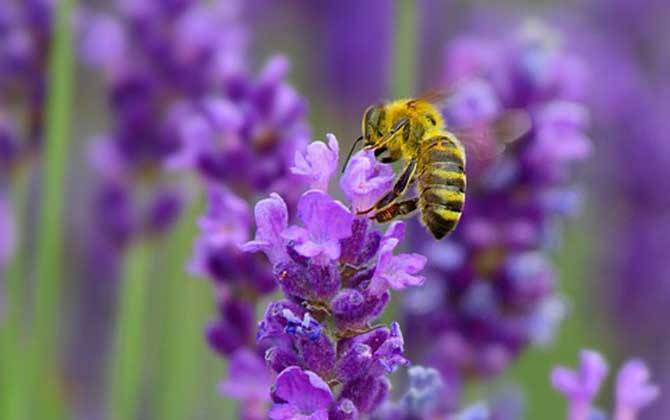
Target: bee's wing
(487,141)
(438,95)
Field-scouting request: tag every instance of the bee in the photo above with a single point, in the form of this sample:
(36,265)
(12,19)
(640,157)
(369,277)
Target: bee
(413,130)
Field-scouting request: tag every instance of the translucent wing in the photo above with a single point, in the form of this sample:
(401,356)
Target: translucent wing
(488,140)
(438,95)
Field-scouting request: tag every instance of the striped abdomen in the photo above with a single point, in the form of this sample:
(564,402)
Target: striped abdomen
(441,183)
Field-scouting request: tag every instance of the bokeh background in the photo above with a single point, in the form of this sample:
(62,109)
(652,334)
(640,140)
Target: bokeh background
(71,253)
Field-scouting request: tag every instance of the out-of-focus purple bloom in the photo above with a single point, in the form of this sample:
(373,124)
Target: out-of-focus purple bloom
(633,390)
(249,381)
(497,293)
(580,387)
(25,40)
(300,394)
(326,223)
(256,127)
(365,181)
(227,220)
(319,163)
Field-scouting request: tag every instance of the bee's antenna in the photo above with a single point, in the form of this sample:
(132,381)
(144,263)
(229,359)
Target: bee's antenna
(351,152)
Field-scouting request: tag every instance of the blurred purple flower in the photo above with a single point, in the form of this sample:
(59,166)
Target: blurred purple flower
(633,390)
(492,288)
(227,220)
(581,387)
(249,382)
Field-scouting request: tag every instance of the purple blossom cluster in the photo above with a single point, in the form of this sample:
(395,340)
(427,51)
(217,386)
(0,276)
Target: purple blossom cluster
(491,292)
(633,391)
(335,272)
(153,55)
(25,33)
(243,142)
(632,86)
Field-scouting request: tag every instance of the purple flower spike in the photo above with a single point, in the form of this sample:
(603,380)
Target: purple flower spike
(580,387)
(271,220)
(560,136)
(300,395)
(227,220)
(319,163)
(633,390)
(326,222)
(365,180)
(396,271)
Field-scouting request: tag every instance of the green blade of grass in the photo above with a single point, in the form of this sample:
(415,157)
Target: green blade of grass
(404,49)
(12,338)
(126,361)
(42,374)
(185,304)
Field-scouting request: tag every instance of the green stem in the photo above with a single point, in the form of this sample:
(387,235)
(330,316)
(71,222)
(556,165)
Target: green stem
(405,49)
(185,306)
(49,253)
(12,344)
(125,370)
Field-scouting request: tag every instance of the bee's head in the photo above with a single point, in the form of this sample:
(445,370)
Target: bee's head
(373,124)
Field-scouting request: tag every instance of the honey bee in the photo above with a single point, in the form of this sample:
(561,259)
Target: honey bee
(414,130)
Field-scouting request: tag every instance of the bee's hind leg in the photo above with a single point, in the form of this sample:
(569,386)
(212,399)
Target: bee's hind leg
(400,209)
(404,180)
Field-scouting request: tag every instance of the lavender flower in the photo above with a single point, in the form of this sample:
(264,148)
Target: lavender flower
(300,394)
(635,248)
(336,273)
(248,383)
(25,33)
(497,293)
(633,391)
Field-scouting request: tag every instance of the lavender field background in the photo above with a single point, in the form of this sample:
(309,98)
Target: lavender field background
(179,238)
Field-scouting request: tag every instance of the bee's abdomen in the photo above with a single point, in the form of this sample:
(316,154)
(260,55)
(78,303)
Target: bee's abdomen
(442,184)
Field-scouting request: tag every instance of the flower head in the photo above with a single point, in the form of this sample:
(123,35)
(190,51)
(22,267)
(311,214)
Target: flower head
(271,221)
(300,394)
(580,387)
(396,271)
(633,390)
(319,162)
(326,223)
(365,180)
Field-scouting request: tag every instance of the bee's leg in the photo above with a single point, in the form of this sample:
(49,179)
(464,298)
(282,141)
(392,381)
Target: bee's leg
(395,129)
(388,159)
(380,151)
(405,179)
(396,210)
(384,159)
